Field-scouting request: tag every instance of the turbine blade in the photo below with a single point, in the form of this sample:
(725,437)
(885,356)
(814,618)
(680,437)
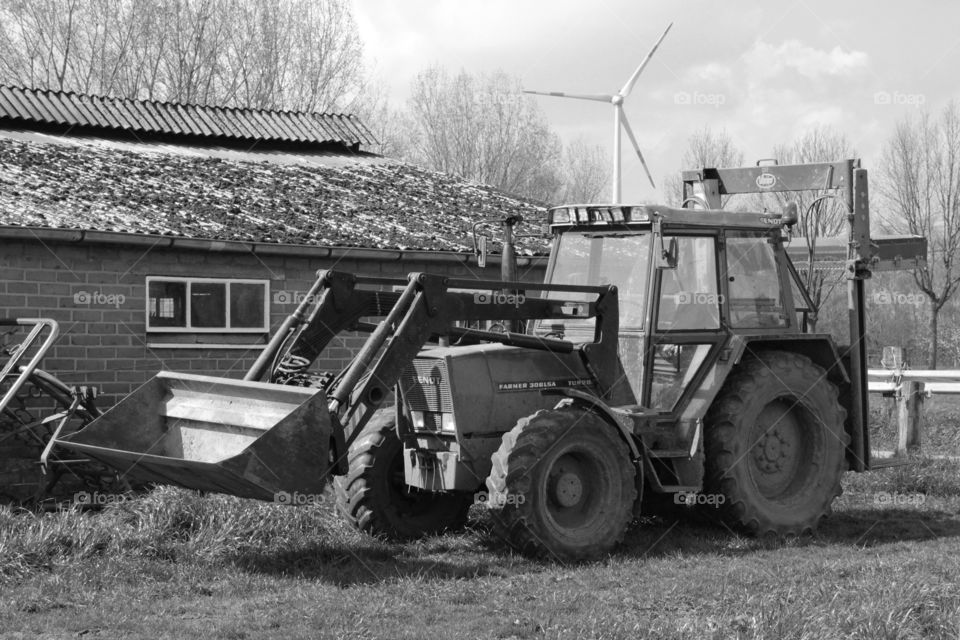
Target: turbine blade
(636,147)
(627,88)
(600,97)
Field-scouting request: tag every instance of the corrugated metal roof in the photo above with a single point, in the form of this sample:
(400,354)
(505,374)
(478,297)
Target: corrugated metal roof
(151,117)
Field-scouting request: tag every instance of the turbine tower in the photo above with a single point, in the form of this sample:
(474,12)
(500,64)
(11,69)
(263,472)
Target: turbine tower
(620,122)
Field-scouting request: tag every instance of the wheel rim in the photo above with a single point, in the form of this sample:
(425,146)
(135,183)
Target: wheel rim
(574,480)
(781,451)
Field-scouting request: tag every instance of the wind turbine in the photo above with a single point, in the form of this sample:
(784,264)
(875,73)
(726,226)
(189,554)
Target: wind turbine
(619,117)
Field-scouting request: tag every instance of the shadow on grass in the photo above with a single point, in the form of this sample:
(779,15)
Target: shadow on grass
(480,552)
(872,526)
(852,527)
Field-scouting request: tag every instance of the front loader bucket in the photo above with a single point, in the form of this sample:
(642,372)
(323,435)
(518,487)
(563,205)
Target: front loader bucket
(248,439)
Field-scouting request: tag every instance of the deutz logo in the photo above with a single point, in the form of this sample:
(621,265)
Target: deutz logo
(428,380)
(766,180)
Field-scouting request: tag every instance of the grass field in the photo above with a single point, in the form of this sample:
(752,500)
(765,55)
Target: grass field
(174,564)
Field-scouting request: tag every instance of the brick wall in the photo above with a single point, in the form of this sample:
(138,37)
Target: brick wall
(97,292)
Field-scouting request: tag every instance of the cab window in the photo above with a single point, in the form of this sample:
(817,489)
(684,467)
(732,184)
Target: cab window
(614,258)
(688,293)
(753,282)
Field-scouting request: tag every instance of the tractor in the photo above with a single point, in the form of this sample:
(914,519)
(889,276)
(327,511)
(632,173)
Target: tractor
(667,353)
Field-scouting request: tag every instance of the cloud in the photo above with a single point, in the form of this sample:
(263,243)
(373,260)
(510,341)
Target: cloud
(712,71)
(765,60)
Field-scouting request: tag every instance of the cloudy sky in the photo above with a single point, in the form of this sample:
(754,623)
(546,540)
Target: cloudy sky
(763,71)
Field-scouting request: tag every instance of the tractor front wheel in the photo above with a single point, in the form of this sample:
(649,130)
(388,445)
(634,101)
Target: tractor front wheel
(562,485)
(776,445)
(375,498)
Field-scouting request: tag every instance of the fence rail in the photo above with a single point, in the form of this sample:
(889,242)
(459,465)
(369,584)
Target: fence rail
(887,381)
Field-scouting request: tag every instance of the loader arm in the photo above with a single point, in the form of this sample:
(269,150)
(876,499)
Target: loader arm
(426,310)
(340,308)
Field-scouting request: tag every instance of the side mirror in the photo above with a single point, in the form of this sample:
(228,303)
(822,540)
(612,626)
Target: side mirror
(481,251)
(790,215)
(480,245)
(668,254)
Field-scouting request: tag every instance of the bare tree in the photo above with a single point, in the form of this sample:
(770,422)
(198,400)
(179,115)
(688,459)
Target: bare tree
(484,129)
(820,214)
(140,54)
(920,184)
(389,124)
(279,54)
(196,37)
(585,173)
(704,149)
(708,149)
(297,54)
(38,40)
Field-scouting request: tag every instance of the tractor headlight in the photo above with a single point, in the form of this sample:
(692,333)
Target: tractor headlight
(432,421)
(417,420)
(448,424)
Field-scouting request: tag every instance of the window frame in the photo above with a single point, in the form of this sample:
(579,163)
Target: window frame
(656,300)
(782,278)
(187,328)
(595,233)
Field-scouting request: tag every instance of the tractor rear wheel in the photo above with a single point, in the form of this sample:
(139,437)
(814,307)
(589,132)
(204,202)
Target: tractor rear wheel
(562,485)
(776,445)
(375,498)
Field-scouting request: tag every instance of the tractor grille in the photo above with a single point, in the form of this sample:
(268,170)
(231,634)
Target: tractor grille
(426,386)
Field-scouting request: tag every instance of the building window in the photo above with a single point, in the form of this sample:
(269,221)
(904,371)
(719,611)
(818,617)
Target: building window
(207,305)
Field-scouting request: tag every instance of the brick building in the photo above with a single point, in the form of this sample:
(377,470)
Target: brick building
(174,237)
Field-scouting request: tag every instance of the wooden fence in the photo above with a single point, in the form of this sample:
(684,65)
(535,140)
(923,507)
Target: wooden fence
(909,388)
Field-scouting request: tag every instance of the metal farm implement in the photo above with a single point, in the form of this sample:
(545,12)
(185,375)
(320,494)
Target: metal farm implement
(35,408)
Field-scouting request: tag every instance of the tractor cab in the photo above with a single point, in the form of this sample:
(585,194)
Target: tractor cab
(688,280)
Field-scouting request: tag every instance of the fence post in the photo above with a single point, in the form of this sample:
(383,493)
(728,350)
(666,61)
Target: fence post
(909,410)
(909,399)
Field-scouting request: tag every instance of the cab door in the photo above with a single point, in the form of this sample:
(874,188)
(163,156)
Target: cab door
(687,329)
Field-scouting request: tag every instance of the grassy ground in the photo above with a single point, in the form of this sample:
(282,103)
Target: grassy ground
(173,564)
